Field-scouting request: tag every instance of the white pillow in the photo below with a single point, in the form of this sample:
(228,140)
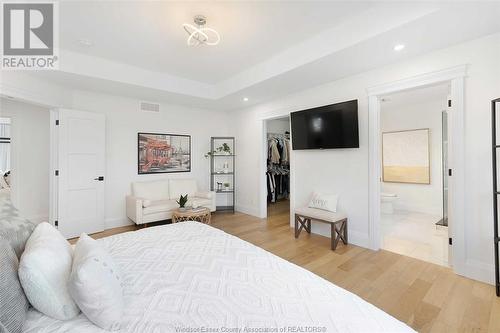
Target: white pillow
(146,203)
(324,201)
(44,270)
(96,284)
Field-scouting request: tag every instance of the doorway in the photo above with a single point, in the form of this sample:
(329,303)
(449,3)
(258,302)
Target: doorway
(277,174)
(456,155)
(414,195)
(5,158)
(24,158)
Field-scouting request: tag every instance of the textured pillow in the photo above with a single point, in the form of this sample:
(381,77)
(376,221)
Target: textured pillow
(324,201)
(44,271)
(14,229)
(13,302)
(96,285)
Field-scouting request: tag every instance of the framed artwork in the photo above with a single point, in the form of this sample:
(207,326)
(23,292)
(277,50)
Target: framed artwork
(405,157)
(163,153)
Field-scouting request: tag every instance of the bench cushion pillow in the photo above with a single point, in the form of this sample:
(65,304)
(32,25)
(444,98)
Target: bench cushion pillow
(96,284)
(44,271)
(13,229)
(13,302)
(324,201)
(319,214)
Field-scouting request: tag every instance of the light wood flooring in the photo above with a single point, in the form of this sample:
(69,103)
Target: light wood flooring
(428,297)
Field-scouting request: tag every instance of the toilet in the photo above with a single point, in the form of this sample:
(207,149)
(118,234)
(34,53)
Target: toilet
(386,200)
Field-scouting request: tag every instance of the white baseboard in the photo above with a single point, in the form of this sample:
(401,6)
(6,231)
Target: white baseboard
(254,211)
(110,223)
(480,271)
(419,208)
(353,237)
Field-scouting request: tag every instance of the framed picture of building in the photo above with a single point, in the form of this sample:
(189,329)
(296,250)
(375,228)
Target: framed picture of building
(163,153)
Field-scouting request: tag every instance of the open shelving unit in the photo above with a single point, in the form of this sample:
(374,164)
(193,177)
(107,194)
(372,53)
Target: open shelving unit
(219,176)
(495,107)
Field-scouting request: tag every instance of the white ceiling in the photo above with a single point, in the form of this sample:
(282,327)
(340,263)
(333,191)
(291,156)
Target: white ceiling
(268,49)
(149,34)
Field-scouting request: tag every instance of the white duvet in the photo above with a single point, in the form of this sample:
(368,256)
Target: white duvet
(190,277)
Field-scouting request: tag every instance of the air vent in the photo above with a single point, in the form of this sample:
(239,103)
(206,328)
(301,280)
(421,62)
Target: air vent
(150,107)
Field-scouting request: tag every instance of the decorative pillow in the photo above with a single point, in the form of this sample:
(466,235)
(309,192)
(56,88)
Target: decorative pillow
(146,203)
(44,272)
(96,284)
(13,302)
(324,201)
(13,229)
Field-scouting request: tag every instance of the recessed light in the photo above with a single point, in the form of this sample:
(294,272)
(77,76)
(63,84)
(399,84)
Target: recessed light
(85,42)
(399,47)
(245,99)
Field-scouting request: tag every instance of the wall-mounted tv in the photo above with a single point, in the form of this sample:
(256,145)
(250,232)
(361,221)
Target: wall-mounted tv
(326,127)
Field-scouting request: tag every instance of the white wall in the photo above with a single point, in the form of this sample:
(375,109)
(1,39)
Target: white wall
(345,171)
(29,158)
(279,126)
(424,198)
(124,121)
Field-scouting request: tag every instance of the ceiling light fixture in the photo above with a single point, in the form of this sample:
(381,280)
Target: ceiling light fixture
(199,34)
(245,99)
(399,47)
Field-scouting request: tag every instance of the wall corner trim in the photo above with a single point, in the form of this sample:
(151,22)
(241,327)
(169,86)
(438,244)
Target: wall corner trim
(447,74)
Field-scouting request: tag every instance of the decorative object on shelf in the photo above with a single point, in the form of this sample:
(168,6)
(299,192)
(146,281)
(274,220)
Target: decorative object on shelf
(199,34)
(182,201)
(163,153)
(222,180)
(221,150)
(195,205)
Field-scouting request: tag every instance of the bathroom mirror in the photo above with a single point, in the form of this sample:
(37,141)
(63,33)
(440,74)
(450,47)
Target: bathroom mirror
(405,156)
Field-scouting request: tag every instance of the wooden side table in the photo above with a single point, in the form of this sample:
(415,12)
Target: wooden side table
(202,215)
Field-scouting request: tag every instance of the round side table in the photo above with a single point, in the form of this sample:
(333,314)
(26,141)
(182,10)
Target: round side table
(202,215)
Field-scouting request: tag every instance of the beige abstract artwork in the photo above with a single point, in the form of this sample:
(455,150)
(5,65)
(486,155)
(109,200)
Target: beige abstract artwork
(405,157)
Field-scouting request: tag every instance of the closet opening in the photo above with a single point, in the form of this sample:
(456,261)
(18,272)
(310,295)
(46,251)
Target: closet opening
(278,169)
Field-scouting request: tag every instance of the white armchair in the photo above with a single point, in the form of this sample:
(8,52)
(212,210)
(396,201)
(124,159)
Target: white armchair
(155,200)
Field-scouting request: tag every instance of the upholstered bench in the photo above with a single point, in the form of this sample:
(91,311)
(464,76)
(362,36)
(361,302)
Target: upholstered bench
(338,222)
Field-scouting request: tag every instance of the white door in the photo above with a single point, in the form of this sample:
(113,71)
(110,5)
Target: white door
(81,164)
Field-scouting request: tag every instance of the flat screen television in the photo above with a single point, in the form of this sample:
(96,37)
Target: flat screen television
(326,127)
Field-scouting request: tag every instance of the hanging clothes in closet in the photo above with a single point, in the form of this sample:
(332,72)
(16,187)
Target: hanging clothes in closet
(278,166)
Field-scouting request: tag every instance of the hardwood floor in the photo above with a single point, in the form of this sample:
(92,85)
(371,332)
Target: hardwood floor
(428,297)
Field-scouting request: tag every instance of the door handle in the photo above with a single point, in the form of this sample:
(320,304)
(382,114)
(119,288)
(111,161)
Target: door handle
(100,178)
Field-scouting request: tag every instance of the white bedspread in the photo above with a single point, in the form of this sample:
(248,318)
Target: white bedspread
(189,277)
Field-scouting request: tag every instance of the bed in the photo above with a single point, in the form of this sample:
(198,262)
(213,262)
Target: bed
(190,277)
